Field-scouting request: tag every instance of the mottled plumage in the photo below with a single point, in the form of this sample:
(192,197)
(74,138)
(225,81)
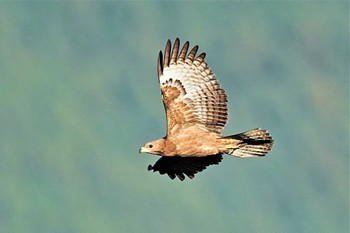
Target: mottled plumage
(196,112)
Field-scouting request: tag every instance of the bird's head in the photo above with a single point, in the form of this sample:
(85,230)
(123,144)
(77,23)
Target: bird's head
(154,147)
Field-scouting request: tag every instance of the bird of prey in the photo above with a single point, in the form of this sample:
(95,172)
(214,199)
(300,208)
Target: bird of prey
(196,112)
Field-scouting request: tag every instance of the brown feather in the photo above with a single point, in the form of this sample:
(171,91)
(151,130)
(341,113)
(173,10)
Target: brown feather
(183,51)
(192,54)
(167,53)
(175,51)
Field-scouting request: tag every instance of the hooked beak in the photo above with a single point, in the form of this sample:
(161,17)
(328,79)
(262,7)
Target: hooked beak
(143,149)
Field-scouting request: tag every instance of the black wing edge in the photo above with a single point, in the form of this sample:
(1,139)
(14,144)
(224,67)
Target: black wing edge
(177,166)
(172,56)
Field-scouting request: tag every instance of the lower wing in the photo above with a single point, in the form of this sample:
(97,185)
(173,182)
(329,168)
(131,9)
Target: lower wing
(181,166)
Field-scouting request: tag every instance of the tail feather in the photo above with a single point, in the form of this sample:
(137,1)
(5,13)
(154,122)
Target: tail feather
(253,143)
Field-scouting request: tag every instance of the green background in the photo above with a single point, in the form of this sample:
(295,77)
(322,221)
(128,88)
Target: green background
(79,96)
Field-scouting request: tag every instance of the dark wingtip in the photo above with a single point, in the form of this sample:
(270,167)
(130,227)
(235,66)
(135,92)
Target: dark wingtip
(167,52)
(171,175)
(202,55)
(183,52)
(180,176)
(160,65)
(192,53)
(175,51)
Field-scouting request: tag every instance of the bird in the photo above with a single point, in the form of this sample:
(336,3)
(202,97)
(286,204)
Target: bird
(196,113)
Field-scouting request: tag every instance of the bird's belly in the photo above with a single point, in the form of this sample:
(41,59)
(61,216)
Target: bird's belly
(195,147)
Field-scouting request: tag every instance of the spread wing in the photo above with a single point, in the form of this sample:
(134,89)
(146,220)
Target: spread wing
(191,93)
(181,166)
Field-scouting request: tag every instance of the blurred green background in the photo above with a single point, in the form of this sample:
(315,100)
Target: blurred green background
(79,96)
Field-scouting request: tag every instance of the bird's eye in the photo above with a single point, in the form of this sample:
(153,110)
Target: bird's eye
(150,146)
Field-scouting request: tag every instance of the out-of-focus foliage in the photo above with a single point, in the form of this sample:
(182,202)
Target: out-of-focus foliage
(79,96)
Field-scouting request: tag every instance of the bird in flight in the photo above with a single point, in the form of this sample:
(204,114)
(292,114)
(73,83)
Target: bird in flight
(196,112)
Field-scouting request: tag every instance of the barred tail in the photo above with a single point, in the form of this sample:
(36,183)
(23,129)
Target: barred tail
(253,143)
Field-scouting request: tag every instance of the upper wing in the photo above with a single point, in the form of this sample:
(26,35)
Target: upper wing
(181,166)
(191,93)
